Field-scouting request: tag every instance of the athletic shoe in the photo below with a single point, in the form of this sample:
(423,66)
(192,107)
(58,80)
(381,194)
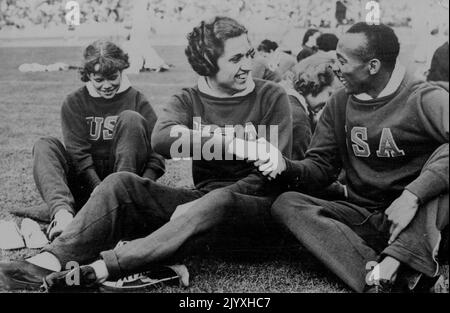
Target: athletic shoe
(381,286)
(407,281)
(77,279)
(21,275)
(173,274)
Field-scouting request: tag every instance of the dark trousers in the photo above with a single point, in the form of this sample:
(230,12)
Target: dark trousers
(346,237)
(126,206)
(54,172)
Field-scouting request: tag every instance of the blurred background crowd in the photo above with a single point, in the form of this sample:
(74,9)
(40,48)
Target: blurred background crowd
(298,13)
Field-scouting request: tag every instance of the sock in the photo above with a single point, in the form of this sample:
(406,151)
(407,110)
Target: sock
(101,271)
(46,260)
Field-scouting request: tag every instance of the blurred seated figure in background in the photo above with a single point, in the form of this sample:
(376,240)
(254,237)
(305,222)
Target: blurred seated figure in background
(309,44)
(439,65)
(327,43)
(309,88)
(279,61)
(261,69)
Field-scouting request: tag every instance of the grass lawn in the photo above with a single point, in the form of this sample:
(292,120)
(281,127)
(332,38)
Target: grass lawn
(29,108)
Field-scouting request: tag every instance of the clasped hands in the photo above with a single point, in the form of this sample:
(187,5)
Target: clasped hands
(264,155)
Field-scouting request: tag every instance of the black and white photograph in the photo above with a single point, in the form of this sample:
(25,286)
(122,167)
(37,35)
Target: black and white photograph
(243,148)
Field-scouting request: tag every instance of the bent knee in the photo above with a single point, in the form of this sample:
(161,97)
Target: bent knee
(287,204)
(222,196)
(45,144)
(120,178)
(130,117)
(213,205)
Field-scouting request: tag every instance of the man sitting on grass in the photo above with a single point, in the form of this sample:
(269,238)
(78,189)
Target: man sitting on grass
(195,123)
(389,131)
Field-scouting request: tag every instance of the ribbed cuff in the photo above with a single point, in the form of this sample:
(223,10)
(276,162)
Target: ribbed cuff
(112,264)
(291,174)
(427,186)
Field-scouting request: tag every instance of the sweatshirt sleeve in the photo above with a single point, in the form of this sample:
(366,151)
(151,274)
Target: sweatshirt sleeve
(176,112)
(433,111)
(301,132)
(434,177)
(434,116)
(322,162)
(165,136)
(75,134)
(155,167)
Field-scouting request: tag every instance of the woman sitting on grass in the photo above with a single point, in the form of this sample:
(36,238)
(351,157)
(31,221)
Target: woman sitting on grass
(106,126)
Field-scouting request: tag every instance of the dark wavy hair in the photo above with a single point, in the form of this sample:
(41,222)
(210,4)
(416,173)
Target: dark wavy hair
(313,74)
(206,43)
(103,57)
(267,46)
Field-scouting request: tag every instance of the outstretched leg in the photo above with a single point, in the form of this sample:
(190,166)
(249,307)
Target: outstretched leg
(124,206)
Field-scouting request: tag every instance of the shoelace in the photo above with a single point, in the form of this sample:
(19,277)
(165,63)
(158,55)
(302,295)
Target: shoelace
(143,277)
(44,288)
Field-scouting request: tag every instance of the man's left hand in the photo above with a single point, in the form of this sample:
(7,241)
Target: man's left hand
(401,212)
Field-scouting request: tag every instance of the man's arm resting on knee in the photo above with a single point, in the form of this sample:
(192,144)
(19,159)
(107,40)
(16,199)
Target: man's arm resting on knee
(432,182)
(433,179)
(433,111)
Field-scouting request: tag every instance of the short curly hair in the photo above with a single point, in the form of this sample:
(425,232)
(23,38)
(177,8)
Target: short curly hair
(313,74)
(206,43)
(103,57)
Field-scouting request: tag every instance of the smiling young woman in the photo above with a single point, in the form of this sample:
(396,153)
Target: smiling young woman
(106,126)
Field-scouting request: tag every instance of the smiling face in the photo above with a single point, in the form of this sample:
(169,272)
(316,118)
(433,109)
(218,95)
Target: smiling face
(234,66)
(352,71)
(106,87)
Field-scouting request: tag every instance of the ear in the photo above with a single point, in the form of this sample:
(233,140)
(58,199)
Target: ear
(374,66)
